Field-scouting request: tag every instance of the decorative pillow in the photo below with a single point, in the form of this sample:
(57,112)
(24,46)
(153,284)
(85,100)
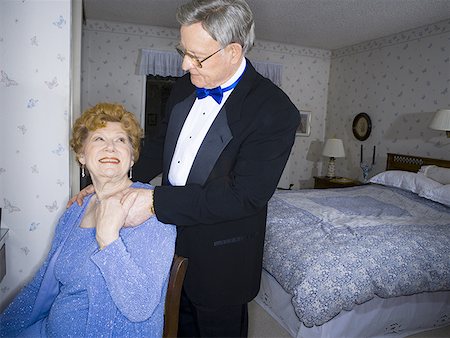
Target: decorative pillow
(440,174)
(441,195)
(406,180)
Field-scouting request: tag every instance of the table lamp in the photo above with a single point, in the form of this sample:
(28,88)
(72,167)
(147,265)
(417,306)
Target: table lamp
(333,148)
(441,121)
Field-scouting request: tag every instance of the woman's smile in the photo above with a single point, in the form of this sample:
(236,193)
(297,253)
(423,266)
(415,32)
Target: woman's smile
(112,160)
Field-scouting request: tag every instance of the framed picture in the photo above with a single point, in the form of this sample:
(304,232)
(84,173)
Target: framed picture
(304,129)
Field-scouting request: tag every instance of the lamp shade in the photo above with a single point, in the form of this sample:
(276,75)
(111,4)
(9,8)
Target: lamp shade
(333,148)
(441,120)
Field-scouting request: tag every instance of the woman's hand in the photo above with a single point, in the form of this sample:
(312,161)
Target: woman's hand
(82,194)
(110,216)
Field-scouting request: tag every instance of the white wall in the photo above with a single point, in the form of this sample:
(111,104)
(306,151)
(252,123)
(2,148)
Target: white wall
(400,81)
(110,52)
(34,130)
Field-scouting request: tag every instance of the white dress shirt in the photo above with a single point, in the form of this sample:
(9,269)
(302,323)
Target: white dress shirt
(195,128)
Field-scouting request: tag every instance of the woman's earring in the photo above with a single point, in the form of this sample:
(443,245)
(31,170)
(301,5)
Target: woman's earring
(83,174)
(130,174)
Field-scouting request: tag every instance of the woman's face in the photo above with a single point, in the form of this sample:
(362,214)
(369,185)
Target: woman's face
(107,152)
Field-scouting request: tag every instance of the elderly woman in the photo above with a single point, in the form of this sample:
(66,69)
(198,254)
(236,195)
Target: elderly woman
(100,278)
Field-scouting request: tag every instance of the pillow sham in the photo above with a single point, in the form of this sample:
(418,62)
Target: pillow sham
(440,174)
(441,194)
(406,180)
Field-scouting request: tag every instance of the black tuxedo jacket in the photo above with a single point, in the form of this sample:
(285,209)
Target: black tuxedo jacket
(221,211)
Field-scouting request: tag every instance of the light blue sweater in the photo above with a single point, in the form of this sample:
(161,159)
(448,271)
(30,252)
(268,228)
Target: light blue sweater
(116,292)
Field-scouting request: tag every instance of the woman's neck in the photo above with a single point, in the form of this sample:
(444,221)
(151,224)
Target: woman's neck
(106,189)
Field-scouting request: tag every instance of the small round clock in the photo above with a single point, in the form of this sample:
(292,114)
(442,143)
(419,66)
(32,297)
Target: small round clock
(362,126)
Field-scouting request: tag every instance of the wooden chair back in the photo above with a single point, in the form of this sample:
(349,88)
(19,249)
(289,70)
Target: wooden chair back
(172,306)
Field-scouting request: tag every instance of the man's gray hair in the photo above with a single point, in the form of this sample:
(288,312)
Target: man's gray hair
(227,21)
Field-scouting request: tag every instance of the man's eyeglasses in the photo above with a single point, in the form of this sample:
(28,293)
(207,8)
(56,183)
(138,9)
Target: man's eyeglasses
(195,60)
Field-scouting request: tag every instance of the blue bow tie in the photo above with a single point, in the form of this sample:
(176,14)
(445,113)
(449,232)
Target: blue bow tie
(216,93)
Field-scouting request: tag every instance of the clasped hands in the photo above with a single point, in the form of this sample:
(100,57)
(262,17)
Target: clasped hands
(136,202)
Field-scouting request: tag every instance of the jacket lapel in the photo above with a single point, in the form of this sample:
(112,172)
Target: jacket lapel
(212,146)
(234,103)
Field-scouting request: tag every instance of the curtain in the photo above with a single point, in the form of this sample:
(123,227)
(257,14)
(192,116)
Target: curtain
(164,63)
(157,62)
(272,71)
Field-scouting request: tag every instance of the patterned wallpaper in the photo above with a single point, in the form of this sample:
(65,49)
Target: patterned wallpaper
(110,52)
(34,129)
(400,81)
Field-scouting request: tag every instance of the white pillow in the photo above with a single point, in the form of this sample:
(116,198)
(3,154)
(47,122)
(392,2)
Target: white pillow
(440,174)
(406,180)
(441,195)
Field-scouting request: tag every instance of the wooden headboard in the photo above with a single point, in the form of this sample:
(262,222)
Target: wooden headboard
(412,163)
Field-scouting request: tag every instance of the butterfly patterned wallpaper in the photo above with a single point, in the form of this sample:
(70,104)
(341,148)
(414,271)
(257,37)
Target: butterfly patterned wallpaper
(400,81)
(109,56)
(34,129)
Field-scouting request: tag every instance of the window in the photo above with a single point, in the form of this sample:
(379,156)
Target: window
(156,95)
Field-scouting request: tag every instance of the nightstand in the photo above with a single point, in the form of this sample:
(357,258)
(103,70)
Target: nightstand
(324,182)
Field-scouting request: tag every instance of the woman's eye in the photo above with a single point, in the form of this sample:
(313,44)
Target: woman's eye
(122,139)
(98,138)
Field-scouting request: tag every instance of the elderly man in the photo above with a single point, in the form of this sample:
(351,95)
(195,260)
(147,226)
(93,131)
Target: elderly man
(223,145)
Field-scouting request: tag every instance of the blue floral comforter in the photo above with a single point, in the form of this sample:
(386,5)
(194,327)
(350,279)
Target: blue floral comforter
(334,248)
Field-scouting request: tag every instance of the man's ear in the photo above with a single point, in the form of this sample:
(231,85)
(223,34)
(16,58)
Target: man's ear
(236,52)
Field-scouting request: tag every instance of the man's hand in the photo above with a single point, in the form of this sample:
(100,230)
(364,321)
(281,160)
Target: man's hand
(81,195)
(110,216)
(142,205)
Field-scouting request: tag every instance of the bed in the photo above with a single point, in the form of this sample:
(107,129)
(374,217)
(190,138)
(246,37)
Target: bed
(365,261)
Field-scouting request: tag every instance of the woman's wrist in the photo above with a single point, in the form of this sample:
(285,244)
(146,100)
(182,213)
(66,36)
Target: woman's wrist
(103,240)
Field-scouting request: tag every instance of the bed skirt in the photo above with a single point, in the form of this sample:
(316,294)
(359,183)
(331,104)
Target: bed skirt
(379,317)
